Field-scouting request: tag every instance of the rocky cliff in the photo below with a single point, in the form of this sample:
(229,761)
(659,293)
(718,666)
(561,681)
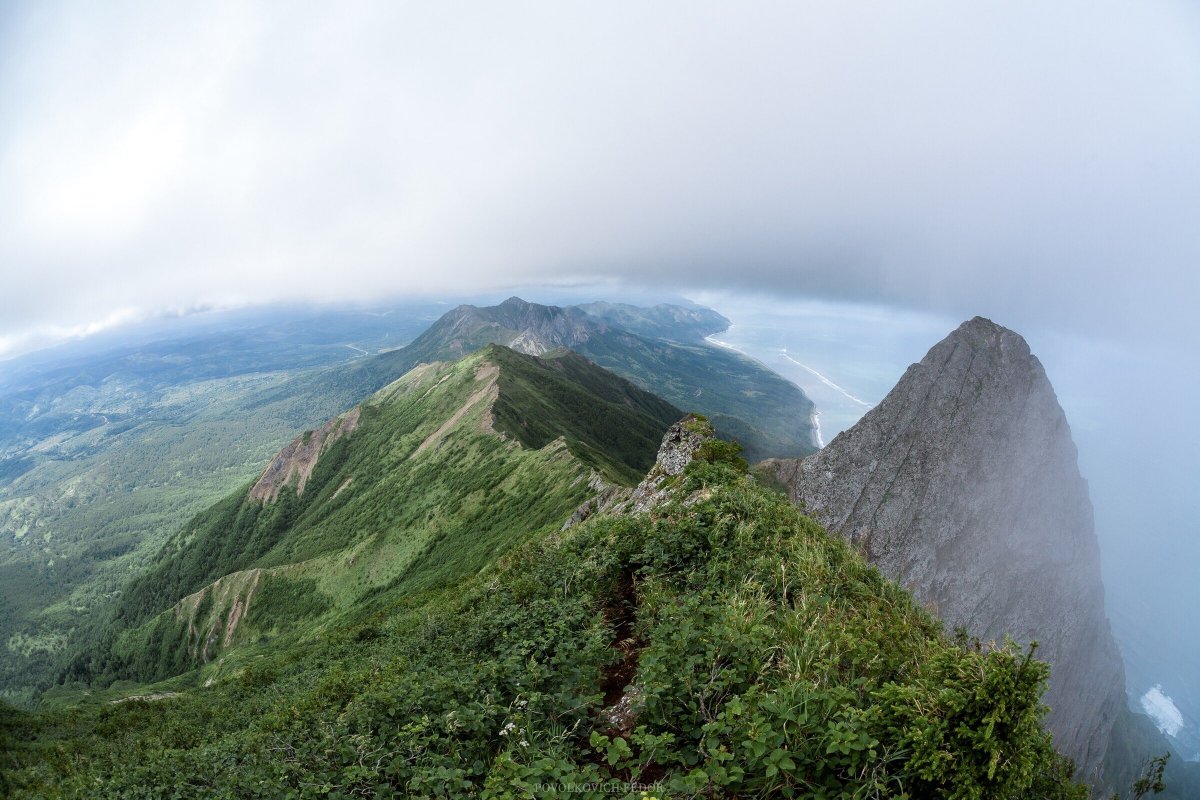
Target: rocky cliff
(294,464)
(679,445)
(963,485)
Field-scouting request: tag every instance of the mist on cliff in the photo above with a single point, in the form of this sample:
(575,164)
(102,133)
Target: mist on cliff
(909,166)
(1130,408)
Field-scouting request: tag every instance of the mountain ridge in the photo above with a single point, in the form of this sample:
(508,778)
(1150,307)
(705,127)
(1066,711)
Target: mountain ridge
(131,438)
(404,484)
(710,641)
(766,413)
(406,582)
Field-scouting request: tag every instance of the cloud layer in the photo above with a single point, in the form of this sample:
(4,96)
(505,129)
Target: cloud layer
(1036,162)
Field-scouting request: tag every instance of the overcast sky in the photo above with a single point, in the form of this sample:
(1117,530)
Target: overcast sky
(1031,161)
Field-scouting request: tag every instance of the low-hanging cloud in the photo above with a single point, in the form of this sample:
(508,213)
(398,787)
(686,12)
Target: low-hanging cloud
(1034,161)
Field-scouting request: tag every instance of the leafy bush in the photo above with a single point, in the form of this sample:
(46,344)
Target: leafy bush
(719,451)
(766,659)
(283,601)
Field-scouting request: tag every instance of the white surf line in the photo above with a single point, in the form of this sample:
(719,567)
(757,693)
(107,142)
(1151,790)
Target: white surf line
(359,349)
(726,345)
(714,340)
(825,380)
(815,419)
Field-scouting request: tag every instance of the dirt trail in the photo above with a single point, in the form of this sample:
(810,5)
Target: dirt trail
(617,677)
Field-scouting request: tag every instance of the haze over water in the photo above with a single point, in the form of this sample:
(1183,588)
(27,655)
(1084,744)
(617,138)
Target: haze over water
(847,357)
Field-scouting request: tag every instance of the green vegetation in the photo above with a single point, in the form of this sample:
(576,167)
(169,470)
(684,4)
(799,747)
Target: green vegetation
(103,454)
(607,422)
(97,507)
(722,645)
(284,599)
(660,349)
(99,504)
(766,414)
(419,496)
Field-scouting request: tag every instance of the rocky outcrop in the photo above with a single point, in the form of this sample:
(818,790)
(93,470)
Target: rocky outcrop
(679,446)
(964,486)
(294,464)
(228,601)
(605,497)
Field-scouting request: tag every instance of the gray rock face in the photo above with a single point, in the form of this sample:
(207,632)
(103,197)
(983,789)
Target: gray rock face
(964,486)
(605,498)
(679,446)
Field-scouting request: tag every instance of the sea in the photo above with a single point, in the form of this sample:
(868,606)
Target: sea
(1131,412)
(845,357)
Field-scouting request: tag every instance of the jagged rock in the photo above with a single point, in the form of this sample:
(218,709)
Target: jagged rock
(679,445)
(606,496)
(964,486)
(294,464)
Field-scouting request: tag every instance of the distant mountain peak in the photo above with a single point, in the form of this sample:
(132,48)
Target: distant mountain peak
(661,349)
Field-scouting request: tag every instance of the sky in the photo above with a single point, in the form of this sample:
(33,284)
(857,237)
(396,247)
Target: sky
(1033,162)
(1037,163)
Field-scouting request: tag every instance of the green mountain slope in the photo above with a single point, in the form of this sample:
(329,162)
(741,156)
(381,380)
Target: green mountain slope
(662,351)
(607,422)
(718,643)
(104,451)
(663,321)
(107,444)
(424,483)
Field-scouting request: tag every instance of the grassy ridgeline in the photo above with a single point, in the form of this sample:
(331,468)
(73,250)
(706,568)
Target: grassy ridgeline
(768,660)
(185,422)
(420,495)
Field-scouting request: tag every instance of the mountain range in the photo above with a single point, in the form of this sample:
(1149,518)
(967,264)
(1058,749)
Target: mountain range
(105,448)
(509,568)
(423,484)
(397,606)
(661,349)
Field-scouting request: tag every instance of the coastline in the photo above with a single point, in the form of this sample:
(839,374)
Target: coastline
(814,421)
(783,351)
